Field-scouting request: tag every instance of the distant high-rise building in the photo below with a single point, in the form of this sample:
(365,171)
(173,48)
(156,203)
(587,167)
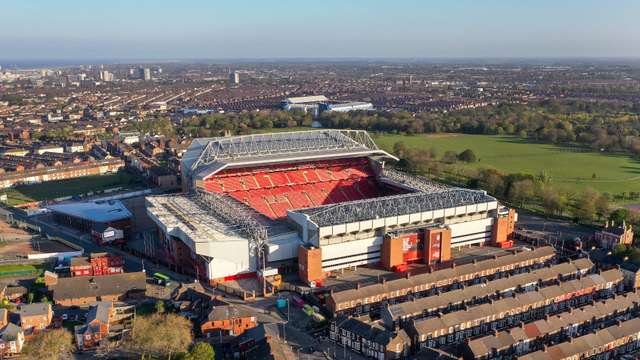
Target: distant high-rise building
(146,74)
(106,76)
(234,77)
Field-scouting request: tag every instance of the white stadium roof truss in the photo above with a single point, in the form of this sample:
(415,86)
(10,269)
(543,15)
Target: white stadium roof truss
(396,205)
(231,212)
(413,181)
(248,146)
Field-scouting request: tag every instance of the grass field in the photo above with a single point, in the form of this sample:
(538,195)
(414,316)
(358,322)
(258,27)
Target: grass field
(18,270)
(568,167)
(55,189)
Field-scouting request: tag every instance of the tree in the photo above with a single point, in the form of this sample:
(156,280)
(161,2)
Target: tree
(160,335)
(492,181)
(552,201)
(200,351)
(160,307)
(450,157)
(521,191)
(619,215)
(400,149)
(49,345)
(467,156)
(602,206)
(585,206)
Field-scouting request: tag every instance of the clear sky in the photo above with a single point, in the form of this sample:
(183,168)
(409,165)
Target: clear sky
(158,29)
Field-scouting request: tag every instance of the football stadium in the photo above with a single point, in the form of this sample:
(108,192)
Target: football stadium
(315,201)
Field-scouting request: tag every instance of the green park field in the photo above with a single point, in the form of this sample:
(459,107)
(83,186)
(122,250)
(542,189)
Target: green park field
(78,186)
(568,167)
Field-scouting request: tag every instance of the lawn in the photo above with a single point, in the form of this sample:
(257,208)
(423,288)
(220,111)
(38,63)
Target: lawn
(567,167)
(18,270)
(78,186)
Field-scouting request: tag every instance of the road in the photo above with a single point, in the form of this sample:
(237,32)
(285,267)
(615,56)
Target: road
(565,228)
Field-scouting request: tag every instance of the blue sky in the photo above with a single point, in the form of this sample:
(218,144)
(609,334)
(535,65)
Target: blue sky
(145,29)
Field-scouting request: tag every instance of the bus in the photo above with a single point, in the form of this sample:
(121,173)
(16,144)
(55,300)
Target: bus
(161,279)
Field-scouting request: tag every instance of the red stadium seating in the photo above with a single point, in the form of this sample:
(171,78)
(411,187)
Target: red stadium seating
(275,189)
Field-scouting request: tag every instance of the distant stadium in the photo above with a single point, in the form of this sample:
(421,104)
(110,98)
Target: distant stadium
(314,201)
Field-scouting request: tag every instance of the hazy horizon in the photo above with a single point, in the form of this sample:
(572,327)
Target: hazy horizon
(251,29)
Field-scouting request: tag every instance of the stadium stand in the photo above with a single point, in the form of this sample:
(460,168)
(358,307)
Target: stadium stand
(276,189)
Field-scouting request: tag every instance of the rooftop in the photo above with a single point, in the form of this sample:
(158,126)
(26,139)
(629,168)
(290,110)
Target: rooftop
(90,287)
(206,156)
(583,344)
(95,211)
(519,301)
(444,275)
(418,306)
(394,205)
(530,331)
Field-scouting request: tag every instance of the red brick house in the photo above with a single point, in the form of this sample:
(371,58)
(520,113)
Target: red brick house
(228,320)
(34,317)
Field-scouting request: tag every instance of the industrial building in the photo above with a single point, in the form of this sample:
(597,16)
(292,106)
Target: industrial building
(316,200)
(108,221)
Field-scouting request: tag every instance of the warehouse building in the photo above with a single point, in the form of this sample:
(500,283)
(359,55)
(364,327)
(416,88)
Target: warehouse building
(108,221)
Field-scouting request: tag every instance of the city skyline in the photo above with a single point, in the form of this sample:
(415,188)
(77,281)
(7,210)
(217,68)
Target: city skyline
(252,30)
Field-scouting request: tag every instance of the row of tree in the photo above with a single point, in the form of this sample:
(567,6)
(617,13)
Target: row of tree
(242,123)
(523,190)
(599,126)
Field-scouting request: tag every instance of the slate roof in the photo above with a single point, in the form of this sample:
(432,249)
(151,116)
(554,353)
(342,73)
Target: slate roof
(516,304)
(94,286)
(444,275)
(479,291)
(226,312)
(530,331)
(583,344)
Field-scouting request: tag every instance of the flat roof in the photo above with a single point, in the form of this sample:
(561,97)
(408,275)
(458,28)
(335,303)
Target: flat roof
(184,212)
(103,211)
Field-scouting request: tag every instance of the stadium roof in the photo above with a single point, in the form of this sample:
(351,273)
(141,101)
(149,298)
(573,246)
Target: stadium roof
(210,155)
(396,205)
(95,211)
(306,99)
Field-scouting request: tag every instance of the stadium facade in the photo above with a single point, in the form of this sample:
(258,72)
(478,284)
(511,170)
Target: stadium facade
(319,200)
